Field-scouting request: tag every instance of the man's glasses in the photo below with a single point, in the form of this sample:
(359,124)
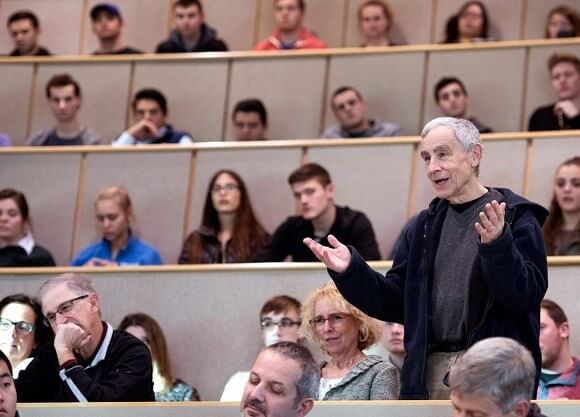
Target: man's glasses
(22,327)
(335,320)
(228,188)
(64,308)
(285,323)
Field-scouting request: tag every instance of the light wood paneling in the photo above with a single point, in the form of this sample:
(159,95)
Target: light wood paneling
(293,112)
(195,93)
(15,92)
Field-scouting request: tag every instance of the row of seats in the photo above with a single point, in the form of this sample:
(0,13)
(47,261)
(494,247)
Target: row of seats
(383,178)
(321,409)
(505,84)
(242,23)
(210,314)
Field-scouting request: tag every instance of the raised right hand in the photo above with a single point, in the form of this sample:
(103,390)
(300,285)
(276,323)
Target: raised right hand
(336,258)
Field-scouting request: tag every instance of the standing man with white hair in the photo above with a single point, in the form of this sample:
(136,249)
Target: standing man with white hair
(471,266)
(495,377)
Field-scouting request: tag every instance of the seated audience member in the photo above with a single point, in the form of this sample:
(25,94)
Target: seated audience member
(391,347)
(560,370)
(5,140)
(21,330)
(375,20)
(495,377)
(289,33)
(562,227)
(351,112)
(453,101)
(151,127)
(565,113)
(470,24)
(118,246)
(17,246)
(563,22)
(279,321)
(190,32)
(24,30)
(8,397)
(343,331)
(250,120)
(64,99)
(166,387)
(229,231)
(107,24)
(283,382)
(88,361)
(318,217)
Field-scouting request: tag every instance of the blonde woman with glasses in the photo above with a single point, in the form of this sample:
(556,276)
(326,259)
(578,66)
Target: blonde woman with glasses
(343,331)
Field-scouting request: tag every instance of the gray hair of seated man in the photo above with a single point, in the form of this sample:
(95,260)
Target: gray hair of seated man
(499,368)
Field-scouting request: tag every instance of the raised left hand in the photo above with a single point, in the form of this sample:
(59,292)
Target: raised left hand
(492,222)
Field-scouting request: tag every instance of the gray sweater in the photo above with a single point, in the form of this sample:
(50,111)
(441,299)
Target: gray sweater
(370,379)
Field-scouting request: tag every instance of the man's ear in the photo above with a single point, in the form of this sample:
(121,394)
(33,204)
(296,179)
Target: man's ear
(564,330)
(476,154)
(522,408)
(331,190)
(305,406)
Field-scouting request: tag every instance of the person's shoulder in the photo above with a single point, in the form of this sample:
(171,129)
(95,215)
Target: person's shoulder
(89,136)
(40,137)
(145,248)
(388,129)
(350,214)
(168,46)
(87,253)
(44,256)
(332,132)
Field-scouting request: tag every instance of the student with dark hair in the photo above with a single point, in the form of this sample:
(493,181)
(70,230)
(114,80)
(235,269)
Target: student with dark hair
(560,377)
(229,231)
(289,33)
(17,246)
(250,120)
(318,218)
(107,24)
(351,111)
(24,30)
(453,101)
(165,385)
(64,99)
(565,113)
(151,127)
(563,22)
(562,227)
(470,24)
(190,31)
(21,330)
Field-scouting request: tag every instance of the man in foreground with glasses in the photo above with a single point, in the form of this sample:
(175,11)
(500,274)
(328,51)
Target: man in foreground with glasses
(88,361)
(279,321)
(283,382)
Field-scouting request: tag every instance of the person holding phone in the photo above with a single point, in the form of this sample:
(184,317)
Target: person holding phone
(118,246)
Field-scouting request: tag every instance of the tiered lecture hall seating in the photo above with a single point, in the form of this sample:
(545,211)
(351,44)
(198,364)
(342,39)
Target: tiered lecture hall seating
(209,313)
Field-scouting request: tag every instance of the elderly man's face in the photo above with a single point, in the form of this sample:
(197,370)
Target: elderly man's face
(271,388)
(449,167)
(61,305)
(7,392)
